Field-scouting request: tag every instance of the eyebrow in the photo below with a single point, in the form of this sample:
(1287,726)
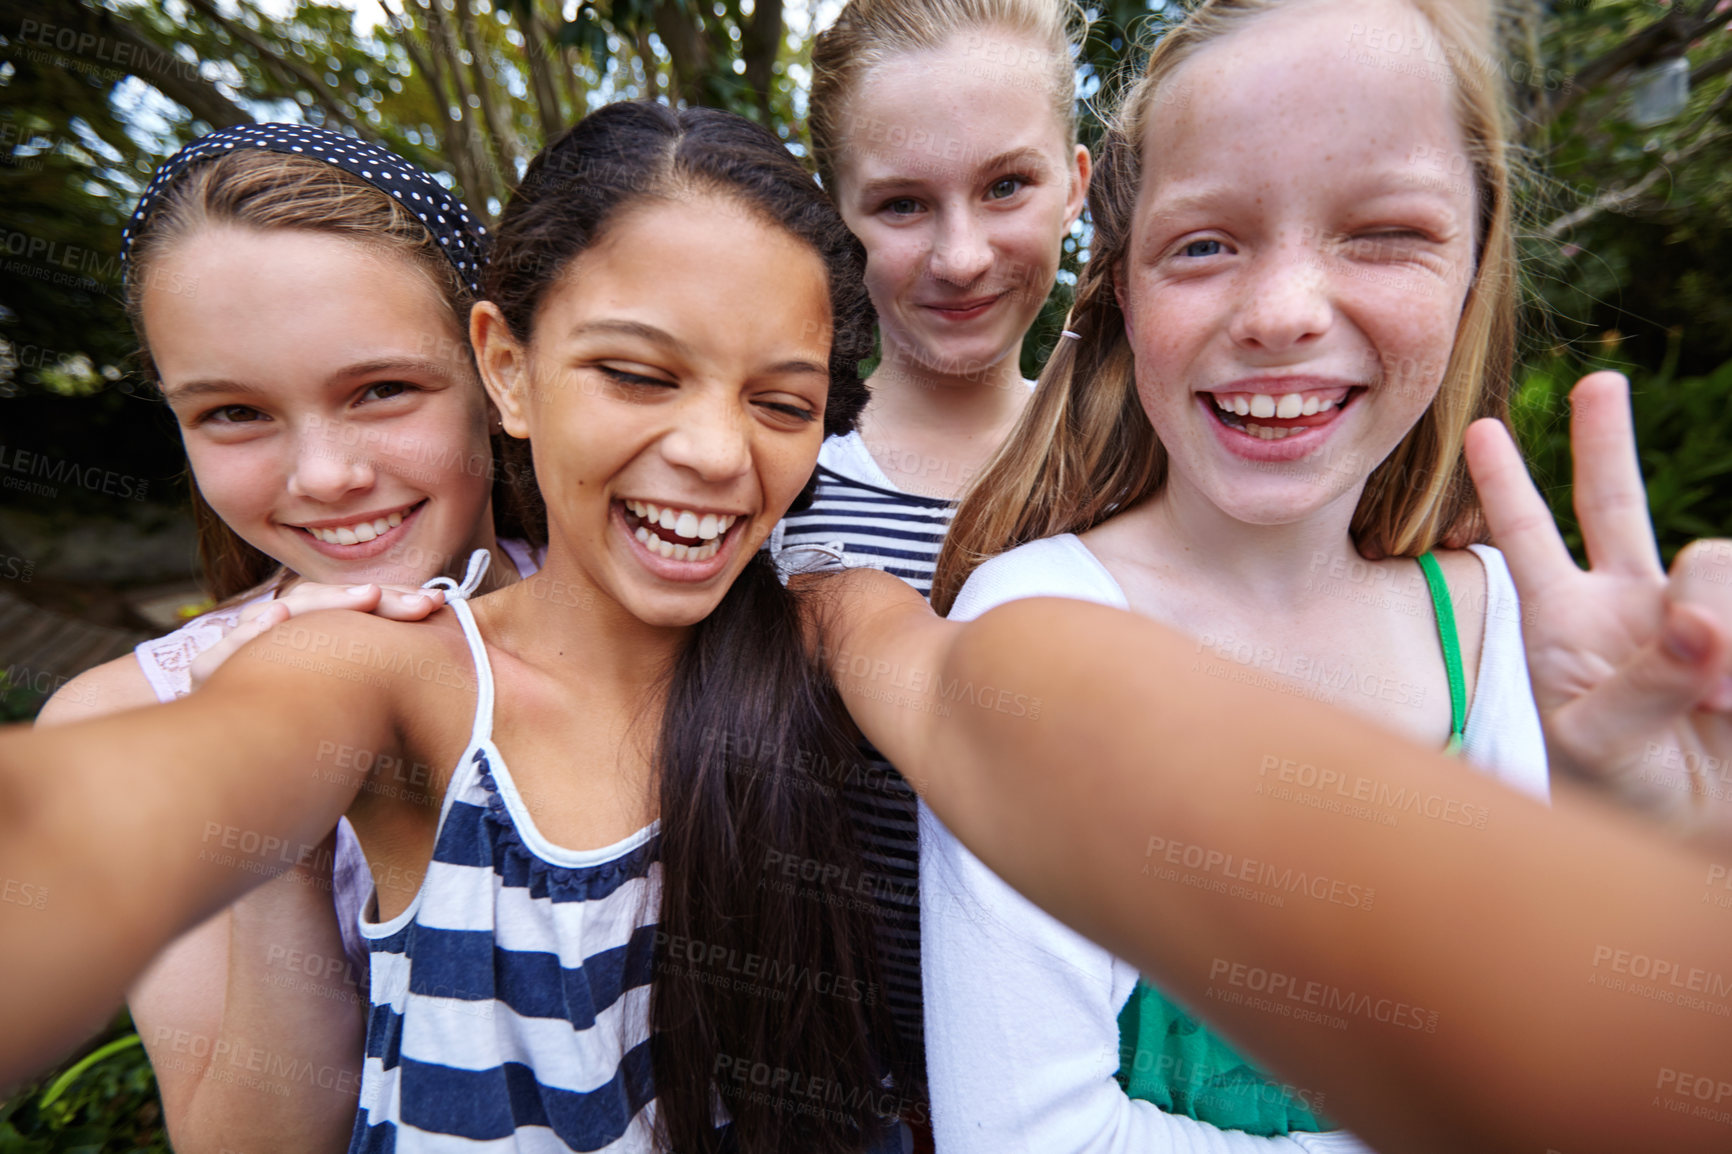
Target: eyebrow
(1382,181)
(420,366)
(644,332)
(1027,155)
(666,340)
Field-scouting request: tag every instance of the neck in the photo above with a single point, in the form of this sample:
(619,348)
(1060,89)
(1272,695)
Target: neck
(1278,567)
(560,620)
(964,400)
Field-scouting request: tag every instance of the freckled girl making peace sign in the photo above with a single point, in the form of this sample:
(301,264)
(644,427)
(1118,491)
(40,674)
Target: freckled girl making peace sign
(1290,318)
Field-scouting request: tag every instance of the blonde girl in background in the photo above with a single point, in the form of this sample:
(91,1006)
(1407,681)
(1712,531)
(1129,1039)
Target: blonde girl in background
(1291,316)
(946,131)
(301,299)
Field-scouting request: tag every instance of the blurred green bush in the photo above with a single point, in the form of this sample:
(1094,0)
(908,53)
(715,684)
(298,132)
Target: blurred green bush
(1683,433)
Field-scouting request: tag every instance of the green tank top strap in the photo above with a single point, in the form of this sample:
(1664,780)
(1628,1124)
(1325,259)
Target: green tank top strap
(1169,1058)
(1446,632)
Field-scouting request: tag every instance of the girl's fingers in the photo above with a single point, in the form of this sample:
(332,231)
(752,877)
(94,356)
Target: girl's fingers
(1657,688)
(1521,524)
(1701,577)
(1609,496)
(409,604)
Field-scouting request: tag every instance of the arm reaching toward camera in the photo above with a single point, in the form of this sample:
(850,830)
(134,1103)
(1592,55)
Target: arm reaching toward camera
(1474,1004)
(136,827)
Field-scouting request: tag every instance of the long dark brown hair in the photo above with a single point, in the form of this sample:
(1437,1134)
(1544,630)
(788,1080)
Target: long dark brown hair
(271,190)
(742,695)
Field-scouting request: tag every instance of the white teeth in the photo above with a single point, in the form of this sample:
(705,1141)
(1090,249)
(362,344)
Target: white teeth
(708,527)
(1289,406)
(1241,405)
(360,531)
(1325,406)
(684,522)
(1262,405)
(1312,404)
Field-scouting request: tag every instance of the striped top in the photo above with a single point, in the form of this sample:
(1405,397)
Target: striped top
(876,523)
(510,1000)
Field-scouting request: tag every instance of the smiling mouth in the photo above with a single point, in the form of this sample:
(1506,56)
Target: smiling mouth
(1275,417)
(962,308)
(360,532)
(677,534)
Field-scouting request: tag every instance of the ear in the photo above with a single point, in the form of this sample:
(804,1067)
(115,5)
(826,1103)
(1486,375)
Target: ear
(504,366)
(1081,167)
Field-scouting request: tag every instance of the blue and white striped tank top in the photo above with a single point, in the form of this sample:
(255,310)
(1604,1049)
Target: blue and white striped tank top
(510,1000)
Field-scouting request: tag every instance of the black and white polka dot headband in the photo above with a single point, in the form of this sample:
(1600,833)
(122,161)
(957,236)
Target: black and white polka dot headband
(449,222)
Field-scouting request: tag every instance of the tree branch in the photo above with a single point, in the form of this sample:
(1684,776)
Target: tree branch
(269,57)
(150,61)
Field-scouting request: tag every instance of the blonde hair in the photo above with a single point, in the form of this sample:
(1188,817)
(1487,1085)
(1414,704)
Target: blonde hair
(1084,449)
(870,31)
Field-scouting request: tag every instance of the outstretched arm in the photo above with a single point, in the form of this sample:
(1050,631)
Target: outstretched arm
(130,829)
(1486,997)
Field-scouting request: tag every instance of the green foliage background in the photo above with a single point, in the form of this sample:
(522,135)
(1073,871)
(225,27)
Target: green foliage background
(1627,244)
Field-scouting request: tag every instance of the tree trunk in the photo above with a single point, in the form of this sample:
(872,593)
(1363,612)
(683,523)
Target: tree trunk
(688,52)
(453,137)
(646,56)
(443,41)
(576,91)
(760,45)
(505,147)
(535,55)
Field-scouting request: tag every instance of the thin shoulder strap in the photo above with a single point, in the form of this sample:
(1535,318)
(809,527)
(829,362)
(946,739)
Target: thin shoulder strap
(457,596)
(1446,632)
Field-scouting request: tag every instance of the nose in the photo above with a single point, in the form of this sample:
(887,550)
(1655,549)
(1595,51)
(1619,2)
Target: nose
(1286,304)
(710,437)
(962,251)
(328,465)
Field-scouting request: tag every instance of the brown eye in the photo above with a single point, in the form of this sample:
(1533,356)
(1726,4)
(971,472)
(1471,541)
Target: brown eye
(231,415)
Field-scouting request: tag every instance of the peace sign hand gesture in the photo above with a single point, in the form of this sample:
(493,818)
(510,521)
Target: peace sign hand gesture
(1631,666)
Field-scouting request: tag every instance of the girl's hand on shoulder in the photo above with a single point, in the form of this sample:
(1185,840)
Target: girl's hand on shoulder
(396,602)
(1631,665)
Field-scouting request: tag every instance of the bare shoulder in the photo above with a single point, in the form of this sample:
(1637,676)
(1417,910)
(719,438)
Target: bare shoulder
(111,687)
(368,652)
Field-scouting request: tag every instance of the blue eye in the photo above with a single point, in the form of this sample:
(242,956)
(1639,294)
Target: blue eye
(1202,248)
